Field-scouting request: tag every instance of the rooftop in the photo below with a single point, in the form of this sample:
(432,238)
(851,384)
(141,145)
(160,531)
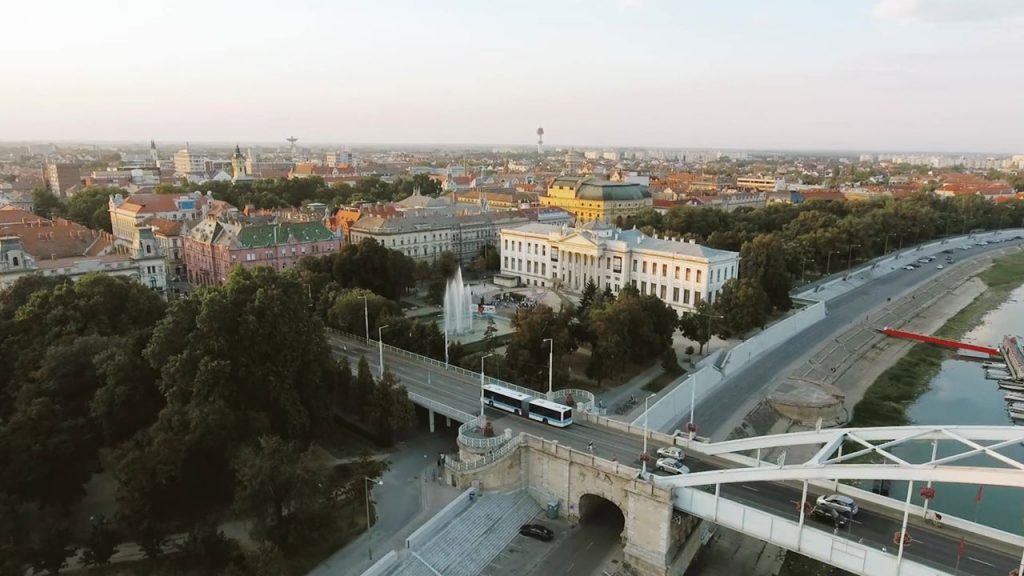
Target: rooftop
(593,188)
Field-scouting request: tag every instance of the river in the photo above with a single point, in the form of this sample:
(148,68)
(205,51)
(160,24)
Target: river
(960,394)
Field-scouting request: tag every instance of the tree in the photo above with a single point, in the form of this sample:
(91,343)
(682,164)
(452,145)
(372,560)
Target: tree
(89,207)
(742,305)
(102,543)
(763,260)
(366,264)
(278,485)
(587,297)
(362,390)
(389,411)
(52,543)
(695,325)
(527,354)
(348,311)
(489,333)
(46,204)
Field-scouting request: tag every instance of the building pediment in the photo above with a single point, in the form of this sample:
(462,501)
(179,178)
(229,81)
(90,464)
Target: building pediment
(579,243)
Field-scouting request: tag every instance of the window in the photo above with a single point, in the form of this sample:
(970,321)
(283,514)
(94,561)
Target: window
(506,243)
(149,249)
(675,294)
(634,265)
(719,275)
(676,276)
(686,296)
(645,266)
(698,276)
(696,297)
(633,282)
(506,262)
(664,270)
(643,287)
(617,268)
(543,269)
(15,260)
(616,287)
(661,293)
(544,250)
(687,274)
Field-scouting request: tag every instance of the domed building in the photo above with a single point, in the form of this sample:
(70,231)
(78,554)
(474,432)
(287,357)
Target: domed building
(590,198)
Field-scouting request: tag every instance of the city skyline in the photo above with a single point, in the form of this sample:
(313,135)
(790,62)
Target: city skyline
(871,75)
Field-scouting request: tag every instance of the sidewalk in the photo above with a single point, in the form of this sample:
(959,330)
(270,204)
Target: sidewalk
(409,497)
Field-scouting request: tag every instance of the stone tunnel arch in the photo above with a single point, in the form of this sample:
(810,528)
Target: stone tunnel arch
(600,511)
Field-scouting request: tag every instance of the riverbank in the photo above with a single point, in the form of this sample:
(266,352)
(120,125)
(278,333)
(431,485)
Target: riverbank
(885,401)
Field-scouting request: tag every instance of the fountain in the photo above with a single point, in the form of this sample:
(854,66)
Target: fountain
(458,306)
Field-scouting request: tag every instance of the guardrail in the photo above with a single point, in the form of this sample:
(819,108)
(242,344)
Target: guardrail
(583,398)
(440,408)
(476,442)
(467,466)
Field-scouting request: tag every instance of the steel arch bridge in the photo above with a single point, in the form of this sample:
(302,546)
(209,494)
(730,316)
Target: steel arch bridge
(868,456)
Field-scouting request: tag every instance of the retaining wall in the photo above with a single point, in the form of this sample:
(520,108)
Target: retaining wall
(430,527)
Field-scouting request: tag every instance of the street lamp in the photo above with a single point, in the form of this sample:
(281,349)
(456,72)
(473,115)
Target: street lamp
(482,358)
(380,345)
(709,317)
(551,362)
(643,469)
(849,261)
(828,261)
(369,535)
(366,318)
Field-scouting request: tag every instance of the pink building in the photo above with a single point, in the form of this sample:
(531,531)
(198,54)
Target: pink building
(214,246)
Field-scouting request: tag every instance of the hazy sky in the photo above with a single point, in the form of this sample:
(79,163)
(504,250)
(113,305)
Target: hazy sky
(837,74)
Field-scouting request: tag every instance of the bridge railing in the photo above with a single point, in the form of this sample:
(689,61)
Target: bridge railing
(583,398)
(490,458)
(440,408)
(481,443)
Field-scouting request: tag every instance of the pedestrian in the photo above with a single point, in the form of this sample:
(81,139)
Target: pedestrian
(590,447)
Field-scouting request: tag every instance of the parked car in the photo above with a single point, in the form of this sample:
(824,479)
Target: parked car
(672,466)
(830,515)
(840,503)
(673,452)
(537,531)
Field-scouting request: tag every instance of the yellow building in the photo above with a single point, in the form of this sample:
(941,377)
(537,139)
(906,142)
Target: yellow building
(589,198)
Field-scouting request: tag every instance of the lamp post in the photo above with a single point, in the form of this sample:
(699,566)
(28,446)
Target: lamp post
(366,318)
(828,261)
(482,358)
(643,469)
(709,317)
(849,260)
(886,249)
(369,535)
(551,363)
(380,346)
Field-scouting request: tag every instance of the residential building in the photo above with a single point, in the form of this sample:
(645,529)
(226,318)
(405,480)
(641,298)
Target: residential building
(170,234)
(590,198)
(215,245)
(759,184)
(425,237)
(62,178)
(186,162)
(33,245)
(679,273)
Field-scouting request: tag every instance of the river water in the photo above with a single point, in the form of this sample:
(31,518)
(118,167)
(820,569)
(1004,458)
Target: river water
(960,394)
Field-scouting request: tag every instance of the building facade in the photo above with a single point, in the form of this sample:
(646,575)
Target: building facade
(215,245)
(589,198)
(33,245)
(681,274)
(61,178)
(185,162)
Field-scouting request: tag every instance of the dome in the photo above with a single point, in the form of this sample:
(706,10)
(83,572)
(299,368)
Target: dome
(594,189)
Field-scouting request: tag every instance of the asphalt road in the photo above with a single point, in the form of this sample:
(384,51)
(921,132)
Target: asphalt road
(724,408)
(875,528)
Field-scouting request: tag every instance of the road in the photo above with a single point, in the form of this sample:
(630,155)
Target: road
(725,408)
(872,527)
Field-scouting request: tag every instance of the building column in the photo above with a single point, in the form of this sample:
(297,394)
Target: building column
(431,417)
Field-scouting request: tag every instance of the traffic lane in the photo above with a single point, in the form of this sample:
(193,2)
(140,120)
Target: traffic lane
(582,552)
(758,376)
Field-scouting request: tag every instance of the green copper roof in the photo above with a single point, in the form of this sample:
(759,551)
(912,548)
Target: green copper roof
(260,236)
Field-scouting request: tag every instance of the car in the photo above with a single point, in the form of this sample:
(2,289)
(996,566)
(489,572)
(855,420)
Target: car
(672,466)
(947,251)
(537,531)
(840,503)
(930,258)
(830,515)
(673,452)
(984,243)
(922,260)
(909,267)
(940,266)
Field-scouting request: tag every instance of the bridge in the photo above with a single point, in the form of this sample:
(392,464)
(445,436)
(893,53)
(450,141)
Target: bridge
(730,483)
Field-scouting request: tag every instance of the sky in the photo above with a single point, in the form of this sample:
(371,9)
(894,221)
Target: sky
(927,75)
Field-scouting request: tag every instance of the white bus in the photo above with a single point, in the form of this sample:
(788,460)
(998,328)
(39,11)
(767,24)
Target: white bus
(506,399)
(551,413)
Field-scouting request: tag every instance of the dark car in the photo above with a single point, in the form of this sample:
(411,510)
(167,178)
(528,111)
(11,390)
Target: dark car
(537,531)
(830,515)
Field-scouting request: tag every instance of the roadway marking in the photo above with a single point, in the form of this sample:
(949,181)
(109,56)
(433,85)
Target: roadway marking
(981,561)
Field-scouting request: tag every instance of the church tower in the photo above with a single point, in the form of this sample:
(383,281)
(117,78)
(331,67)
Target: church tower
(153,156)
(238,169)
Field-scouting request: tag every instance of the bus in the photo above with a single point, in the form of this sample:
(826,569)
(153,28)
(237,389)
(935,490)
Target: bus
(551,413)
(506,399)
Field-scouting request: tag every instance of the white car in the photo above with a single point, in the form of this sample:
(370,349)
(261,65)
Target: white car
(940,266)
(908,267)
(672,466)
(672,452)
(839,503)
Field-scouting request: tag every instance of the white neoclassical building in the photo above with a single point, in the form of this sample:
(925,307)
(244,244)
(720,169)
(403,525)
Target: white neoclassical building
(679,273)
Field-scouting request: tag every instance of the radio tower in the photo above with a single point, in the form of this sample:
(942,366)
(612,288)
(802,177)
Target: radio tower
(540,139)
(292,140)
